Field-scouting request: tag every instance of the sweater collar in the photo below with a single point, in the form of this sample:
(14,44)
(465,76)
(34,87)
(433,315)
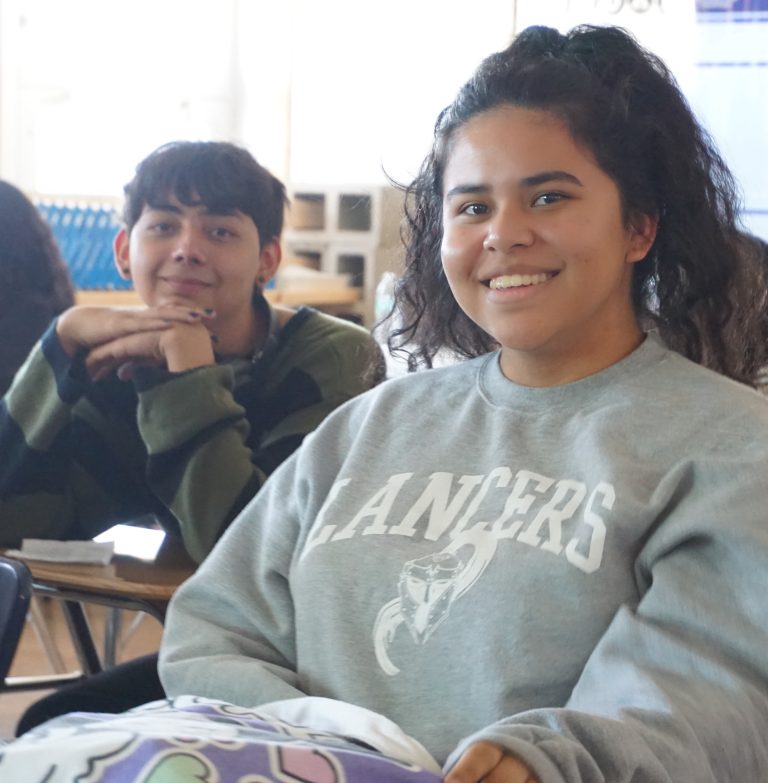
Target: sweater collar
(586,392)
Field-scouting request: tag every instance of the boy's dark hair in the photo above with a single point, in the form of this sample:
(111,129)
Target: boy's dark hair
(220,174)
(704,294)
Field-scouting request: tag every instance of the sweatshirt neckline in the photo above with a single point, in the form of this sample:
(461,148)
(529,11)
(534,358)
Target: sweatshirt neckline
(499,390)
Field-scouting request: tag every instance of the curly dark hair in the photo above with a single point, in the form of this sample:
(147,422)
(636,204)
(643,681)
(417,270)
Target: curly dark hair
(220,174)
(31,266)
(696,285)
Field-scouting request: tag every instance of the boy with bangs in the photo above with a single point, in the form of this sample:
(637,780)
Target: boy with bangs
(181,408)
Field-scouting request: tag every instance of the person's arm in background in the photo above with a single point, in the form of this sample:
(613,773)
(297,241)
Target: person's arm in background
(45,491)
(22,324)
(677,689)
(200,465)
(59,452)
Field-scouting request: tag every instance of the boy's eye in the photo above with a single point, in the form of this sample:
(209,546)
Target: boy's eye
(222,233)
(161,227)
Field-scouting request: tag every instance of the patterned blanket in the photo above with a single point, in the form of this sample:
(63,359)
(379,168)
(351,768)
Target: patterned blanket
(191,740)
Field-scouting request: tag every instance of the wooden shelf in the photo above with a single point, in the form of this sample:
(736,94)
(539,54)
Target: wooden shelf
(107,298)
(321,298)
(326,297)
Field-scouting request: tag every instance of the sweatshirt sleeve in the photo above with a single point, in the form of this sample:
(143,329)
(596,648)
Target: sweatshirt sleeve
(41,482)
(66,463)
(199,464)
(229,632)
(676,691)
(202,464)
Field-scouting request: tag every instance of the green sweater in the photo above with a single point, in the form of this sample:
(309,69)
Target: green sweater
(188,448)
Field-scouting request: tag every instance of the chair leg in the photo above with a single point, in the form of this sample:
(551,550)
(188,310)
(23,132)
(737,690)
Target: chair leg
(112,625)
(44,636)
(132,628)
(81,637)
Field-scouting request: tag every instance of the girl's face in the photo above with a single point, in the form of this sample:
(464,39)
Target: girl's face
(535,248)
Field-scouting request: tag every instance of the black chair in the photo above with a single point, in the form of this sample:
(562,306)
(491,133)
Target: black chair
(15,595)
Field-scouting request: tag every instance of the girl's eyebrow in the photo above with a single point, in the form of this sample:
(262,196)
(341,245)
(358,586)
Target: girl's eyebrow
(551,176)
(534,180)
(460,190)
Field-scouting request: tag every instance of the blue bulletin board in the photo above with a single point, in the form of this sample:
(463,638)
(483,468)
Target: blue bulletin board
(731,94)
(84,234)
(736,7)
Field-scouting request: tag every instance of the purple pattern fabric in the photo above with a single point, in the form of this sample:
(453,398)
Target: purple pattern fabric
(197,741)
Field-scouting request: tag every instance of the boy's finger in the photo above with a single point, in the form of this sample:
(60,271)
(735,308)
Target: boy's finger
(138,345)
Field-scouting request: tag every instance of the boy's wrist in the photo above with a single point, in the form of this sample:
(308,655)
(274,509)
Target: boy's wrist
(187,350)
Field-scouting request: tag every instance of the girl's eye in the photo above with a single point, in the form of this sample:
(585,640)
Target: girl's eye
(548,198)
(474,209)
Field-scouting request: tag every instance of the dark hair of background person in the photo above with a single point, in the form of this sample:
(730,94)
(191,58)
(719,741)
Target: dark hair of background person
(760,249)
(221,175)
(34,282)
(696,285)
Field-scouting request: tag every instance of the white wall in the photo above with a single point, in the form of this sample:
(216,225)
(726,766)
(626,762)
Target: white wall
(366,92)
(89,87)
(322,91)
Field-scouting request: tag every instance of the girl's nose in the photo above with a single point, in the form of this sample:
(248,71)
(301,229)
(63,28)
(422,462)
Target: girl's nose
(509,228)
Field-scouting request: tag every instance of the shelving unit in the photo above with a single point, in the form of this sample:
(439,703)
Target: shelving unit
(349,231)
(328,301)
(84,230)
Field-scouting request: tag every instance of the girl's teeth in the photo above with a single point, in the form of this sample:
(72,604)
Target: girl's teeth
(516,281)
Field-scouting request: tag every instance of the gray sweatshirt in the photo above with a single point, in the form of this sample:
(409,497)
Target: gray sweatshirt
(577,573)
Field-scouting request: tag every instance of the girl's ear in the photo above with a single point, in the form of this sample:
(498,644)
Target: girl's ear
(122,257)
(269,260)
(642,234)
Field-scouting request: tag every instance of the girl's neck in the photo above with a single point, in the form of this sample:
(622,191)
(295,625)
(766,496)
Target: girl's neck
(559,367)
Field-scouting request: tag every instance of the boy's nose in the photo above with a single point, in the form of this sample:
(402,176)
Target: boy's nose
(189,247)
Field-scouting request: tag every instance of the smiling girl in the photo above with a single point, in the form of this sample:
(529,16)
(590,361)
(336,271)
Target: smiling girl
(546,563)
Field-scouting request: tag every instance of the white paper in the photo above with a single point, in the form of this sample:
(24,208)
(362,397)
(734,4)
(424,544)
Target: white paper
(141,542)
(64,551)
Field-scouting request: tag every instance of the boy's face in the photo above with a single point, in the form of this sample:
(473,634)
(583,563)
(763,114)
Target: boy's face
(187,255)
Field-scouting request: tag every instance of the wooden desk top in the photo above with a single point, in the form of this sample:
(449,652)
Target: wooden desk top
(320,298)
(125,577)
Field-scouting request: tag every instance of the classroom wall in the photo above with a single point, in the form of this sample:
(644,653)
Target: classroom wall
(322,91)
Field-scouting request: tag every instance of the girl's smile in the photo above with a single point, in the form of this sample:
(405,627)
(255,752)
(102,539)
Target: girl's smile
(535,246)
(506,282)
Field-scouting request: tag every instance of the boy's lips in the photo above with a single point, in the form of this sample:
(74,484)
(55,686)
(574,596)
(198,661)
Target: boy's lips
(185,285)
(186,281)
